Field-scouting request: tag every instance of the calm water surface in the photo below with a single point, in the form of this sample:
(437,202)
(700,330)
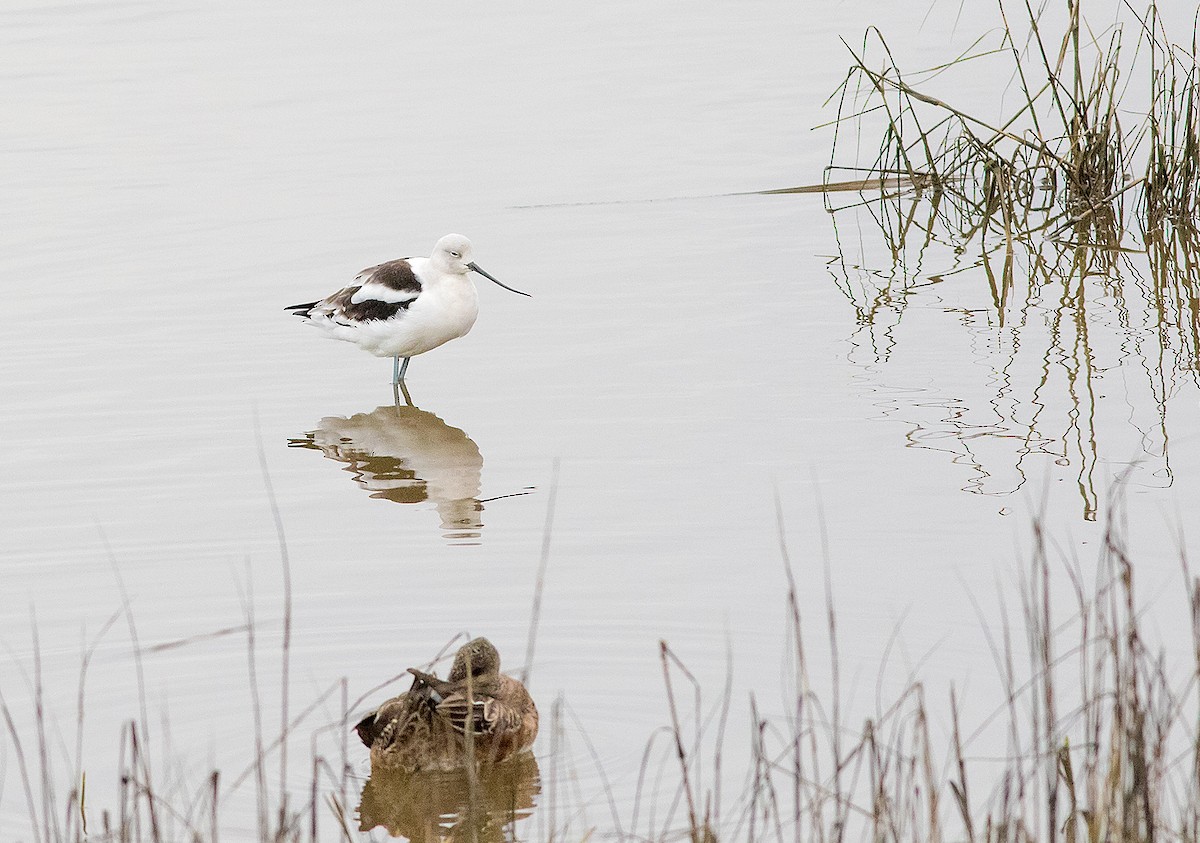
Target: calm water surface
(176,174)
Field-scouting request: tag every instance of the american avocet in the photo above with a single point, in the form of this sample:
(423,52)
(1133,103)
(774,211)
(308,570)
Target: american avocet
(404,307)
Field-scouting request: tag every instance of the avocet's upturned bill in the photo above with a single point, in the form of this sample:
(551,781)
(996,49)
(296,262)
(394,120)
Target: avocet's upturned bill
(404,307)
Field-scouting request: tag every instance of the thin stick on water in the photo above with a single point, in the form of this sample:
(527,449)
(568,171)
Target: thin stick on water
(962,793)
(247,598)
(141,773)
(23,767)
(607,787)
(139,668)
(49,818)
(471,764)
(722,722)
(535,613)
(85,662)
(286,646)
(314,798)
(794,611)
(214,794)
(343,743)
(840,798)
(267,749)
(667,656)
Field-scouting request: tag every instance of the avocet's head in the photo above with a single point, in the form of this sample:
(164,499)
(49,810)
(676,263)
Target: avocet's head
(453,254)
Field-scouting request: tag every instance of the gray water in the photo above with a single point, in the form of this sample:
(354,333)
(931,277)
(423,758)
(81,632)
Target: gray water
(175,174)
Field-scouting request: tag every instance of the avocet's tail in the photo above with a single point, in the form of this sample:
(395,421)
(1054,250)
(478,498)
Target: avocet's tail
(301,310)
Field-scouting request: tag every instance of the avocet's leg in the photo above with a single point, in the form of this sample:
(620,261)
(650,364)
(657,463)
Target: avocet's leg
(403,369)
(395,370)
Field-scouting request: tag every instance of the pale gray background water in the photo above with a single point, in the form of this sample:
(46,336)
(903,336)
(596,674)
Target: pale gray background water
(174,174)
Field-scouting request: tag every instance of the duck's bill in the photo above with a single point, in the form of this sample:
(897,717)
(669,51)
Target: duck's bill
(474,267)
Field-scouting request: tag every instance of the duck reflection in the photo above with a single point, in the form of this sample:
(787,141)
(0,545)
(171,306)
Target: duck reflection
(404,454)
(441,806)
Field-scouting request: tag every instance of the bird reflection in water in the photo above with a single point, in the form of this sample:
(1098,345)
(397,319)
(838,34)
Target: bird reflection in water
(404,454)
(440,806)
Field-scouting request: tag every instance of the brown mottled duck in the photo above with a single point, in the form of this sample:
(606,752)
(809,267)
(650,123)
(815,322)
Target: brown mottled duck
(432,725)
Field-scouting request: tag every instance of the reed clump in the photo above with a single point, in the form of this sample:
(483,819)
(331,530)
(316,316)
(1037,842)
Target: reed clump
(1070,199)
(1060,163)
(1101,734)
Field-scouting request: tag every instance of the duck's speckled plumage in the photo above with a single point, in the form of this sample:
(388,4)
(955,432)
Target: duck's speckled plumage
(430,726)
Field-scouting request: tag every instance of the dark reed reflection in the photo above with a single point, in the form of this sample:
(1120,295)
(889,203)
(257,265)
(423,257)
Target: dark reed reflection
(403,454)
(450,805)
(1077,345)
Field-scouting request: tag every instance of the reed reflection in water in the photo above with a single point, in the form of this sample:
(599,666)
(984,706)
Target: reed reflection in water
(1077,349)
(403,454)
(452,805)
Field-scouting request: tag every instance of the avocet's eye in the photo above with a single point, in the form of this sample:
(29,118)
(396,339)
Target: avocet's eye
(455,255)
